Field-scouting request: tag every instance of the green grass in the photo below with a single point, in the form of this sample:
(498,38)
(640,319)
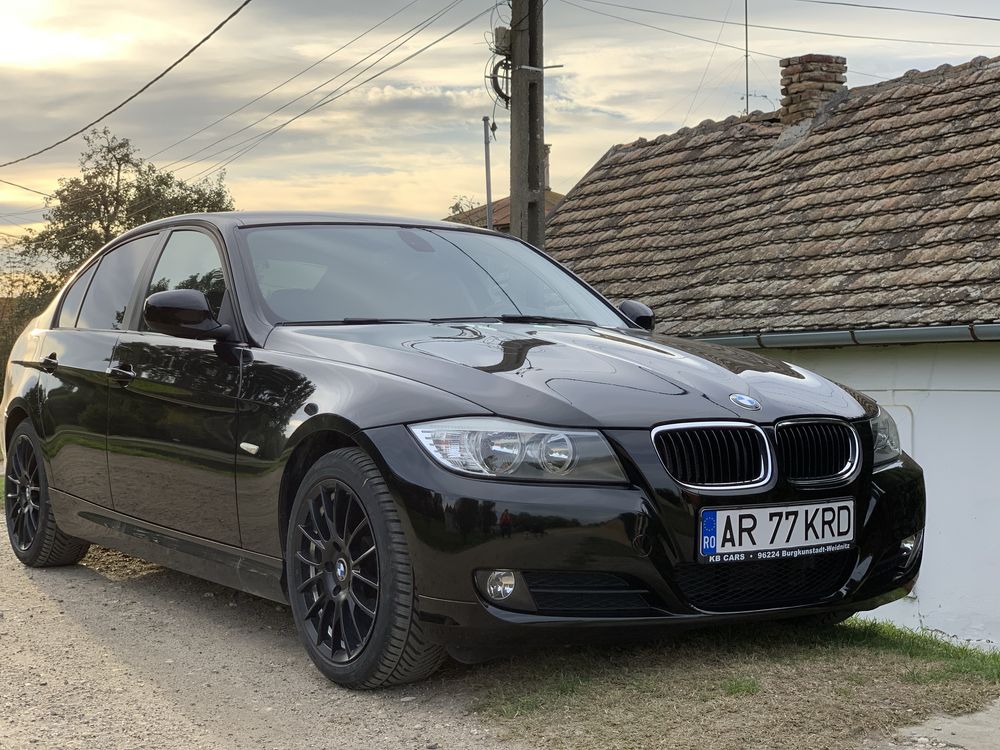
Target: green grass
(509,702)
(950,659)
(740,686)
(854,679)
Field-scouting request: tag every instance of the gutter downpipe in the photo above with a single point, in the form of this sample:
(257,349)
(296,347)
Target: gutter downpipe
(860,337)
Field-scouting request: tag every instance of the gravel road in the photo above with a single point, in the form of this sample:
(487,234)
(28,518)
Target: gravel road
(116,653)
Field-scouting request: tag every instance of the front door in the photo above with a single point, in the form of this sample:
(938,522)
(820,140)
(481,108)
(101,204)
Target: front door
(172,409)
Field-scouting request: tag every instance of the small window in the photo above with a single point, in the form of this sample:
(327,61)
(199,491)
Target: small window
(74,296)
(190,260)
(106,304)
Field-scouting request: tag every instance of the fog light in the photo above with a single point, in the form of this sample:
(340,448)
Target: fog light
(500,584)
(909,548)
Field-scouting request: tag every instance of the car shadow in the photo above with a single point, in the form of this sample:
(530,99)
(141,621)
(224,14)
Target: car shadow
(191,637)
(214,651)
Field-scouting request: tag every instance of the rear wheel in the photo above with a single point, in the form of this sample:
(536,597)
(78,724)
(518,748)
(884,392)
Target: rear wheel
(349,576)
(34,536)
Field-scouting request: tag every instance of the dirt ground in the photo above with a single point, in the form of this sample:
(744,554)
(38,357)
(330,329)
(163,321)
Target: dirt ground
(120,654)
(117,654)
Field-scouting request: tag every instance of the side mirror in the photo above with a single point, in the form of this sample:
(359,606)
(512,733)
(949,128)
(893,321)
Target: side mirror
(185,313)
(638,313)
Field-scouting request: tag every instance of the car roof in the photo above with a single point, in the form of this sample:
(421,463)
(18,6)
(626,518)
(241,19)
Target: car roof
(230,219)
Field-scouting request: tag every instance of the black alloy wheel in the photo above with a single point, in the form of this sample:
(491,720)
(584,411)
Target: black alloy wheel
(22,492)
(34,536)
(338,566)
(349,577)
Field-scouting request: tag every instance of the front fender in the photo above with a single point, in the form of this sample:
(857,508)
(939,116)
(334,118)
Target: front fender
(286,399)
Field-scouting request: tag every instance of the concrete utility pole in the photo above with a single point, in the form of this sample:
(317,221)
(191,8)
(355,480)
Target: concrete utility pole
(527,123)
(489,177)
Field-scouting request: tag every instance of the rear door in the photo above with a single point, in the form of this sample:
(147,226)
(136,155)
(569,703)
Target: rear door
(76,354)
(172,408)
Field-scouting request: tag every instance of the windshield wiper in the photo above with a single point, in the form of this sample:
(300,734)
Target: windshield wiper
(352,322)
(505,318)
(512,318)
(544,319)
(468,319)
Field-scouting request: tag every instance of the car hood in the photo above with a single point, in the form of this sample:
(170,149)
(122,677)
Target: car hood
(573,375)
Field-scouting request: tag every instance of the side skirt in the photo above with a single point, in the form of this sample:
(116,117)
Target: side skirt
(260,575)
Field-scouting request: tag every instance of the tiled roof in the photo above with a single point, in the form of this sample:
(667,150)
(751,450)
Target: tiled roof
(501,212)
(883,211)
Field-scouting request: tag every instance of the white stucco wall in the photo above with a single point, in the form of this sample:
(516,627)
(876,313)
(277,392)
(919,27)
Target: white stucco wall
(946,400)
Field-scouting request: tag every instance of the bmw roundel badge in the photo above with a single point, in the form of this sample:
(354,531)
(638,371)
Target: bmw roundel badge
(744,401)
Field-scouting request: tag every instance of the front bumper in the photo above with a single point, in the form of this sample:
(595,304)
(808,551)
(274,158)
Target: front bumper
(638,541)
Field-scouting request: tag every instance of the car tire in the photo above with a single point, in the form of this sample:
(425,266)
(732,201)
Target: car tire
(34,535)
(349,577)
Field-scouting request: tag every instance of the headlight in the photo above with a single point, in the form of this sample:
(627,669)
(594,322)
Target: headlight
(491,447)
(886,437)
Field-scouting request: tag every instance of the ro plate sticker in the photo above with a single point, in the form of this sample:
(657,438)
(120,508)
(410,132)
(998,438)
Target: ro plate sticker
(708,535)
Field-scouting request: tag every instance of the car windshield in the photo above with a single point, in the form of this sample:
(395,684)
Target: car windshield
(370,274)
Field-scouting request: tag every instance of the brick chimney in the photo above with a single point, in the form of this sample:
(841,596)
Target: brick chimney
(807,83)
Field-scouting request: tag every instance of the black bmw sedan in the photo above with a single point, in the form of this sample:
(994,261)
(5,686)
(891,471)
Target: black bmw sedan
(432,439)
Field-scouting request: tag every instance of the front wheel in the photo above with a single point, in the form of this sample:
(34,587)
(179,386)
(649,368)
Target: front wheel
(34,536)
(350,581)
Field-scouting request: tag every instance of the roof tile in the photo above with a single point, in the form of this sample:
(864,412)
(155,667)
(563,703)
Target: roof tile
(884,212)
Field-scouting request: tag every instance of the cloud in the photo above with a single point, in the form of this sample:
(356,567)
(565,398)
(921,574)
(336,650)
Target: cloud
(411,140)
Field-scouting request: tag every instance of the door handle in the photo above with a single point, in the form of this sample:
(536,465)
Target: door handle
(122,374)
(49,363)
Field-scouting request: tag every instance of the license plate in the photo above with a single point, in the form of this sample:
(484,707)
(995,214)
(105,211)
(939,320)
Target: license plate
(782,531)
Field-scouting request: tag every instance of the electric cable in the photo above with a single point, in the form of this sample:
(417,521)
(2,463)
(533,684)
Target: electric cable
(121,104)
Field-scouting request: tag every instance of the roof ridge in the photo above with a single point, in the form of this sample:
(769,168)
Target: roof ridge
(882,213)
(945,70)
(757,116)
(705,126)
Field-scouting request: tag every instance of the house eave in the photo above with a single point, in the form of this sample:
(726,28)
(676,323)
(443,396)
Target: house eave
(860,337)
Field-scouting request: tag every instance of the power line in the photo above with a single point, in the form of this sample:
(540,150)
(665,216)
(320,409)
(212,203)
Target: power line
(703,39)
(765,77)
(14,224)
(77,233)
(47,195)
(24,187)
(114,109)
(394,43)
(409,34)
(667,31)
(708,65)
(287,81)
(25,212)
(900,10)
(333,96)
(433,17)
(793,30)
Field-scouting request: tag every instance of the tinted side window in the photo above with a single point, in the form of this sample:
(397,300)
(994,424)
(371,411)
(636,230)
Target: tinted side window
(107,299)
(190,261)
(72,299)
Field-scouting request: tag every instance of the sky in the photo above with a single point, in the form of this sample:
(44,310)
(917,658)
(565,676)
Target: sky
(410,141)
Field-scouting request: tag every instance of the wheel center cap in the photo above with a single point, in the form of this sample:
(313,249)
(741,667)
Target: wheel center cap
(340,569)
